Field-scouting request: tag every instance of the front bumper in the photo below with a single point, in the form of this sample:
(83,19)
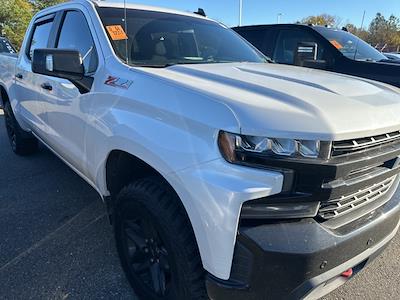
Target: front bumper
(302,259)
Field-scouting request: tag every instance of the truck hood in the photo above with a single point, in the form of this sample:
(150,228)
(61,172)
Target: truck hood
(285,101)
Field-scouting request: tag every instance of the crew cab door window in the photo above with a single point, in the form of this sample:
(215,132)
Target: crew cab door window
(40,37)
(75,35)
(287,43)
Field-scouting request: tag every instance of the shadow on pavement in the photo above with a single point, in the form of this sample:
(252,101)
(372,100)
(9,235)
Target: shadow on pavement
(56,242)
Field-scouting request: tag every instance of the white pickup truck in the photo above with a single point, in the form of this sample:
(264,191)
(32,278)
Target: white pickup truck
(225,176)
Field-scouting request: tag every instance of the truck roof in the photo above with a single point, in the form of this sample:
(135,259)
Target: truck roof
(284,25)
(121,4)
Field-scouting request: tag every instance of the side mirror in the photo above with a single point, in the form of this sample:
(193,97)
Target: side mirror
(307,56)
(67,64)
(305,51)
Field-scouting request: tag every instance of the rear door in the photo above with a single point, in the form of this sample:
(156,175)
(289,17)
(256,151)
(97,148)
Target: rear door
(28,91)
(66,106)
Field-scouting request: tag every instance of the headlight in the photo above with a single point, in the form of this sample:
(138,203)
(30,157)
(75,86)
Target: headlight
(232,144)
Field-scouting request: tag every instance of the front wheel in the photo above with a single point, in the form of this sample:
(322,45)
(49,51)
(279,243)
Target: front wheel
(22,142)
(156,244)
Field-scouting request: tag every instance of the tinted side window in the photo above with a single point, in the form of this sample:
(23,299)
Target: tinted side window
(40,36)
(255,37)
(286,45)
(75,35)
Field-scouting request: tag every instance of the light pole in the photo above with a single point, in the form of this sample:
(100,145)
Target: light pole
(240,12)
(278,18)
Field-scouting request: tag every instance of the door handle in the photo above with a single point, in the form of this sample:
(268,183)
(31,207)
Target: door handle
(46,86)
(19,76)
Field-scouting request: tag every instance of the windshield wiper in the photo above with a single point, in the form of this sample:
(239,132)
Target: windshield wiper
(149,65)
(174,64)
(269,60)
(190,62)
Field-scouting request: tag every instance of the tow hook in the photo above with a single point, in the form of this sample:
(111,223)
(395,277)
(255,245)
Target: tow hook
(348,273)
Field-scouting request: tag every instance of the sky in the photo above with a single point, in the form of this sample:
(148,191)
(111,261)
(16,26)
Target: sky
(266,11)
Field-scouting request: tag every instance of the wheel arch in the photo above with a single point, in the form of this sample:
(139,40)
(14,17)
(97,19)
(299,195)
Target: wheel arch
(3,96)
(122,168)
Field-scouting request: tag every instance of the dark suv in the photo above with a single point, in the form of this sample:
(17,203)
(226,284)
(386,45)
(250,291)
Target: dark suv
(320,47)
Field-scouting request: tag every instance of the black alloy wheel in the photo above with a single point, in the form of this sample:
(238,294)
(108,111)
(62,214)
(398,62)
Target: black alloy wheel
(22,142)
(147,254)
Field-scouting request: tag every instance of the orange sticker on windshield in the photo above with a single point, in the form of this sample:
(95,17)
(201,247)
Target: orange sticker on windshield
(117,32)
(336,44)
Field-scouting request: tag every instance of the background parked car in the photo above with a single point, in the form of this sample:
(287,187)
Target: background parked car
(324,48)
(6,46)
(393,56)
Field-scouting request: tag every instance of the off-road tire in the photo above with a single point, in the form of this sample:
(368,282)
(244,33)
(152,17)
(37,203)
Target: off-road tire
(22,142)
(158,211)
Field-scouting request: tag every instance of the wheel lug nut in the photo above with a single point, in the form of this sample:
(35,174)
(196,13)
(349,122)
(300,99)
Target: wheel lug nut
(146,250)
(146,240)
(151,260)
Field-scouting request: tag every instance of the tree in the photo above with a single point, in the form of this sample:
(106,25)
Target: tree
(323,19)
(360,32)
(15,16)
(14,19)
(384,31)
(42,4)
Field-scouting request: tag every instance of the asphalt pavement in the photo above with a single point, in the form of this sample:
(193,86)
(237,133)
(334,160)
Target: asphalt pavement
(56,242)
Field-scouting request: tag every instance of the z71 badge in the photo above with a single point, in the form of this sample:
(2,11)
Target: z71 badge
(118,82)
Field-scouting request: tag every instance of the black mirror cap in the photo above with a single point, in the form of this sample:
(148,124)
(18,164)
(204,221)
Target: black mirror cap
(60,63)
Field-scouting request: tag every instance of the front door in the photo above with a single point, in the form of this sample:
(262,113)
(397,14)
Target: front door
(65,105)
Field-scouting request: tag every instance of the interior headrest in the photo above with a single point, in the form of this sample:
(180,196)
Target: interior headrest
(160,49)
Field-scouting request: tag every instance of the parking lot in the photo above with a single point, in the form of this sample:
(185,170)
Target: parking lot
(56,242)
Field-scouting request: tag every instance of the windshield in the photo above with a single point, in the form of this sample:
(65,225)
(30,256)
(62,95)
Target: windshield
(6,47)
(351,46)
(159,39)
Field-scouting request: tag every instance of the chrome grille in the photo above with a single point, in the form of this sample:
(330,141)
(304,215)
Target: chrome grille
(350,146)
(346,204)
